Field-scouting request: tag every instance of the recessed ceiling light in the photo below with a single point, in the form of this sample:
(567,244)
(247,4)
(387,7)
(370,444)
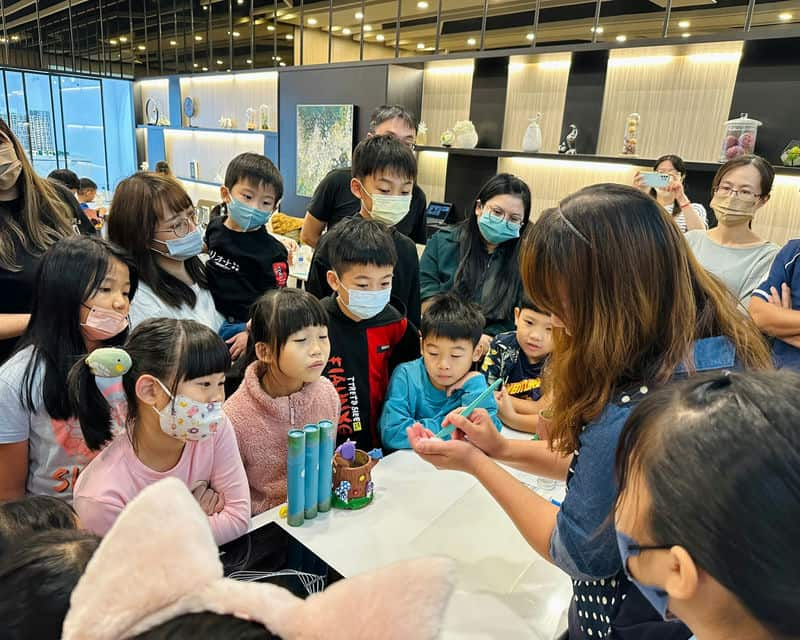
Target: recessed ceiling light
(380,37)
(346,31)
(205,68)
(195,65)
(283,64)
(173,43)
(312,21)
(367,27)
(597,29)
(686,35)
(205,8)
(123,39)
(141,47)
(530,37)
(684,24)
(239,1)
(420,45)
(112,41)
(472,42)
(270,27)
(15,38)
(621,38)
(422,4)
(219,61)
(359,15)
(198,38)
(236,34)
(278,59)
(289,36)
(785,17)
(249,61)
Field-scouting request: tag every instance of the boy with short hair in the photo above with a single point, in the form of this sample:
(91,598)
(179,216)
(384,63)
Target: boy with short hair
(244,259)
(384,172)
(368,336)
(426,390)
(87,192)
(518,357)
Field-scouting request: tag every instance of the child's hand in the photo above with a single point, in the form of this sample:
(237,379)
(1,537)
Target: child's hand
(782,300)
(505,409)
(460,383)
(483,346)
(456,455)
(209,500)
(238,345)
(479,429)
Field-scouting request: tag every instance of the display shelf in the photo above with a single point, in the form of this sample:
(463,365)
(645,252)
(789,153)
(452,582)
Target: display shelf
(208,183)
(270,132)
(635,160)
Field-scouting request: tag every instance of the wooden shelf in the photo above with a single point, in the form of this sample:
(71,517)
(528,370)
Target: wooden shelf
(506,153)
(269,133)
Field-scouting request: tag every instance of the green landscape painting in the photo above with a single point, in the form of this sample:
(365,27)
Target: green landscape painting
(324,142)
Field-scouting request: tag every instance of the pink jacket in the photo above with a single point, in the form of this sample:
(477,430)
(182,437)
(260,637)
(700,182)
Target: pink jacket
(262,424)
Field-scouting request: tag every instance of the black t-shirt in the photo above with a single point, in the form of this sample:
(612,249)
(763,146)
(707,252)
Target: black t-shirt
(333,202)
(81,223)
(506,360)
(241,266)
(405,281)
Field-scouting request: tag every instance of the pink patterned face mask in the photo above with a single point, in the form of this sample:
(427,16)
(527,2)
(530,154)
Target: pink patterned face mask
(102,324)
(186,419)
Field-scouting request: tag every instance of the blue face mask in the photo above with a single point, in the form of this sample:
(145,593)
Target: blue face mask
(248,218)
(181,249)
(367,304)
(655,596)
(497,230)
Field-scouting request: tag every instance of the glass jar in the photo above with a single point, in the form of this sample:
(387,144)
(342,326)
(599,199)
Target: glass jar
(739,137)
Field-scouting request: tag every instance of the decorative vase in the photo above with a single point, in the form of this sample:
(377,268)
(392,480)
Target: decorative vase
(791,154)
(251,114)
(352,481)
(466,136)
(447,138)
(532,141)
(422,134)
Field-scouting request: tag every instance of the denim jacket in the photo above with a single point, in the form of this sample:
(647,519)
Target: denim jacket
(583,543)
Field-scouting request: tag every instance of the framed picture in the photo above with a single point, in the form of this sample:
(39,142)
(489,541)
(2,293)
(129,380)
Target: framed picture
(324,142)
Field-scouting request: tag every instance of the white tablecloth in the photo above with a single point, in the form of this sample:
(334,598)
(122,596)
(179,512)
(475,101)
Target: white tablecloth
(504,589)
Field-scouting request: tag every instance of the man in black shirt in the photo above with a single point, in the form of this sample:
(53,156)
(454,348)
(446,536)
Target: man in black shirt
(333,200)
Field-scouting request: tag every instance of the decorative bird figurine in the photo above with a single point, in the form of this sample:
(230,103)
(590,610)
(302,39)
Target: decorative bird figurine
(109,362)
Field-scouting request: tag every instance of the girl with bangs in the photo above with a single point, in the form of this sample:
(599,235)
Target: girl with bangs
(175,428)
(153,218)
(282,388)
(632,309)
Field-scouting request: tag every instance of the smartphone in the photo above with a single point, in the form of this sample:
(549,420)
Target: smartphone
(655,180)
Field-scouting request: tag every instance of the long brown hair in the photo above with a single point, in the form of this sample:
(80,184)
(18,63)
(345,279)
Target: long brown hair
(611,264)
(140,202)
(44,216)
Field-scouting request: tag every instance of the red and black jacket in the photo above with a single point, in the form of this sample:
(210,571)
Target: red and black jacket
(363,356)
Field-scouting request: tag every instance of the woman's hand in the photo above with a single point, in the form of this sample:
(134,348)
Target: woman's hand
(675,188)
(638,182)
(455,454)
(209,500)
(479,430)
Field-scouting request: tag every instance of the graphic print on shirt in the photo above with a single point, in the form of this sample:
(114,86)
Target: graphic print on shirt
(67,435)
(226,264)
(281,272)
(350,417)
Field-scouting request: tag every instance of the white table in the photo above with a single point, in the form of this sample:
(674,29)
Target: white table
(504,589)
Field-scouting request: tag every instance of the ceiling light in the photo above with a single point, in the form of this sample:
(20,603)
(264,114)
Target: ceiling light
(686,35)
(205,8)
(283,64)
(420,45)
(367,27)
(249,61)
(112,41)
(359,15)
(346,31)
(312,21)
(530,37)
(621,38)
(239,1)
(289,36)
(15,38)
(684,24)
(278,58)
(123,39)
(597,29)
(195,65)
(219,61)
(270,27)
(173,43)
(380,37)
(236,34)
(205,68)
(472,42)
(422,4)
(198,38)
(141,47)
(335,28)
(784,17)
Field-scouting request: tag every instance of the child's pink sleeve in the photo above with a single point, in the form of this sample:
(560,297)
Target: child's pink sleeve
(96,516)
(228,478)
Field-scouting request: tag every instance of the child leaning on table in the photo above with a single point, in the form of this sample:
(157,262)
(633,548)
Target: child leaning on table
(518,358)
(425,390)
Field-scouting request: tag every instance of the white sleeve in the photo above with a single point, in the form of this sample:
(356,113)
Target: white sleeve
(700,210)
(147,305)
(15,419)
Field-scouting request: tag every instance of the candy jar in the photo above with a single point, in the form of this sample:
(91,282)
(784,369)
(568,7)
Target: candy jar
(264,116)
(631,134)
(251,119)
(739,137)
(532,141)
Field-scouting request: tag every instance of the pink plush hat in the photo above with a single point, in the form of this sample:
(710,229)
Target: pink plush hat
(159,561)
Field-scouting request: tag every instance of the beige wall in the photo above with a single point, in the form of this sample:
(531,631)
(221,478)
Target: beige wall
(345,49)
(446,95)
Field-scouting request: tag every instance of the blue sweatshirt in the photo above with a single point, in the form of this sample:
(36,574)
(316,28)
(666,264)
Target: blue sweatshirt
(413,398)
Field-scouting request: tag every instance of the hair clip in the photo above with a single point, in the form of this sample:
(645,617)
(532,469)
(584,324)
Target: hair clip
(109,362)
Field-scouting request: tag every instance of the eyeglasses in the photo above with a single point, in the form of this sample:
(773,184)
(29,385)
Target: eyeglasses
(510,219)
(182,226)
(744,194)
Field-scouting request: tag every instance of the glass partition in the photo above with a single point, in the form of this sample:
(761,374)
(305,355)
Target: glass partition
(41,124)
(120,141)
(81,104)
(17,111)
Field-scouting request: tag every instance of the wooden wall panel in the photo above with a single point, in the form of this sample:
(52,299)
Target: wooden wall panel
(779,219)
(345,49)
(231,95)
(212,150)
(683,95)
(446,96)
(432,174)
(536,84)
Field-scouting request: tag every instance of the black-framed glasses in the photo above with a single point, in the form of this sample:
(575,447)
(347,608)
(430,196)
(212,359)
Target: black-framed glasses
(743,194)
(182,226)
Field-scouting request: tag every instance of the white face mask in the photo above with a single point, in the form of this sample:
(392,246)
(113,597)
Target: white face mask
(388,209)
(186,419)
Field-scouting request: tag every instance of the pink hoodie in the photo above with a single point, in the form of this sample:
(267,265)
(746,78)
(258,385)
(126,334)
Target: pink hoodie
(262,424)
